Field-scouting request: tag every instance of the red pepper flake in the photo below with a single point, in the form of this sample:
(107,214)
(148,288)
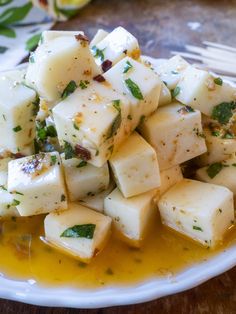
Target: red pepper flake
(106,65)
(82,152)
(17,155)
(99,78)
(43,2)
(80,37)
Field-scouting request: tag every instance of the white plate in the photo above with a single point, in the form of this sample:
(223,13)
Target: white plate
(32,293)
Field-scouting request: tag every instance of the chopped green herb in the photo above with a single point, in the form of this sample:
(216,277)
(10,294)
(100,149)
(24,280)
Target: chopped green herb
(17,128)
(109,271)
(220,210)
(134,89)
(19,193)
(228,136)
(97,152)
(51,131)
(223,112)
(218,81)
(83,163)
(15,202)
(4,117)
(197,228)
(215,133)
(83,84)
(142,118)
(174,72)
(82,265)
(80,231)
(32,42)
(63,198)
(75,126)
(97,53)
(234,165)
(70,88)
(53,160)
(3,187)
(214,169)
(117,121)
(36,106)
(165,83)
(175,92)
(127,67)
(68,150)
(129,117)
(42,133)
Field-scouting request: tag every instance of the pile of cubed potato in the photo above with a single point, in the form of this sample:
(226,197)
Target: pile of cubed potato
(95,135)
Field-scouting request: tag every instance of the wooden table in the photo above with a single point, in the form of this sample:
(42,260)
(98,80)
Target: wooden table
(160,27)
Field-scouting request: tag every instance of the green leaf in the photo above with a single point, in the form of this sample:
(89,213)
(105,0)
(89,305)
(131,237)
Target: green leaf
(18,128)
(7,31)
(3,49)
(97,53)
(51,131)
(218,81)
(53,160)
(83,163)
(214,169)
(175,92)
(70,88)
(197,228)
(4,2)
(69,151)
(32,42)
(127,67)
(15,14)
(134,89)
(117,121)
(223,112)
(80,231)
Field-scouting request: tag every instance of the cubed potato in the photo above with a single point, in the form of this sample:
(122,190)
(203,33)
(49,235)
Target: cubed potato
(165,96)
(90,120)
(169,177)
(170,71)
(222,173)
(16,113)
(135,166)
(96,201)
(115,46)
(199,89)
(7,201)
(78,231)
(99,36)
(139,84)
(175,132)
(39,183)
(131,216)
(201,211)
(61,59)
(218,149)
(83,179)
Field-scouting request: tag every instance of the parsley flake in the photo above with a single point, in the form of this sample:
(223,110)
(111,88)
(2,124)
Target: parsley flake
(127,67)
(80,231)
(223,112)
(70,88)
(214,169)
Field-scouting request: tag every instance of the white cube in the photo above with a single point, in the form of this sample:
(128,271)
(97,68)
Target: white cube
(138,84)
(83,179)
(96,201)
(78,231)
(135,166)
(90,120)
(61,59)
(17,114)
(175,131)
(218,148)
(169,177)
(170,71)
(39,181)
(201,211)
(7,200)
(131,216)
(200,90)
(115,46)
(222,173)
(99,36)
